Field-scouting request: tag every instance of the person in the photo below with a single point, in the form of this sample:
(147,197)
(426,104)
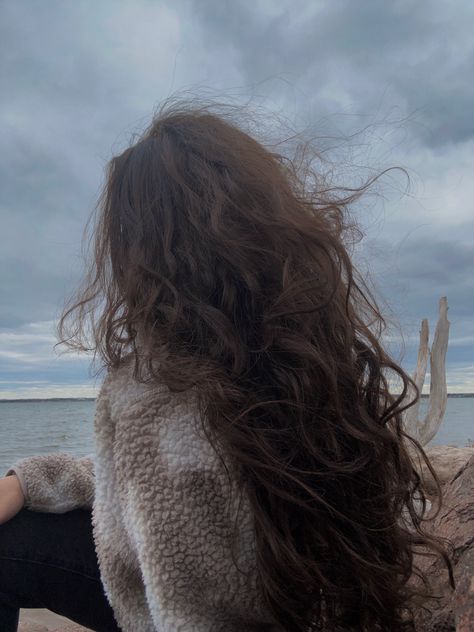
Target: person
(251,469)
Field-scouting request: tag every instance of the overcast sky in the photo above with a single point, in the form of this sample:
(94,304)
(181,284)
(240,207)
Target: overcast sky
(394,81)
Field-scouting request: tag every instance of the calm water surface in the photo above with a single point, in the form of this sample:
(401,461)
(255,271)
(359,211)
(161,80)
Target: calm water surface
(41,427)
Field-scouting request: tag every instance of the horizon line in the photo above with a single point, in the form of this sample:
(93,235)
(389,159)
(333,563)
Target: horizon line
(81,399)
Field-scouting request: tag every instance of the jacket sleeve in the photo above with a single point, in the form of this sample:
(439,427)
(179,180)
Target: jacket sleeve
(60,482)
(56,483)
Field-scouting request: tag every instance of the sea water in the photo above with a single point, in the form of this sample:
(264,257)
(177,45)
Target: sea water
(32,427)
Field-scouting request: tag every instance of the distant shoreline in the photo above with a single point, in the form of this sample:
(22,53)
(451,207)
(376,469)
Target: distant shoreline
(91,399)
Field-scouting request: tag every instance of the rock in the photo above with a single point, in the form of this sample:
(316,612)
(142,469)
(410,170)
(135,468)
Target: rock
(446,461)
(72,627)
(454,610)
(43,620)
(27,626)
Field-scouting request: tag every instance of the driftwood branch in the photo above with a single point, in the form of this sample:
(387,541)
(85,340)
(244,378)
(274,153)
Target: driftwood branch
(425,429)
(411,415)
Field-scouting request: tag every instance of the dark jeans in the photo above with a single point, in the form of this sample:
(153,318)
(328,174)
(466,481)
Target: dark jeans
(49,561)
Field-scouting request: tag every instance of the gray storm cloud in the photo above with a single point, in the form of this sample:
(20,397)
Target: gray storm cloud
(389,82)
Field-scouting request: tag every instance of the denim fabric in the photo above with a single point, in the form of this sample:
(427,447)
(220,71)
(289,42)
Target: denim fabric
(49,561)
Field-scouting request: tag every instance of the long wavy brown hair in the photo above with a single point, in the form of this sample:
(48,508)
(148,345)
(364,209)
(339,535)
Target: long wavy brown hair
(229,262)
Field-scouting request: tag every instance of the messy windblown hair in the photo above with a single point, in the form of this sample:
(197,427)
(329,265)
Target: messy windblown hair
(228,261)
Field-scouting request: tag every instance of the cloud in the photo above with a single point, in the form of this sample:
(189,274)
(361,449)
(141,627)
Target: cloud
(42,390)
(381,83)
(28,356)
(357,57)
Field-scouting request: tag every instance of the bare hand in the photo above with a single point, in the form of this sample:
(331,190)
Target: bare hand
(11,497)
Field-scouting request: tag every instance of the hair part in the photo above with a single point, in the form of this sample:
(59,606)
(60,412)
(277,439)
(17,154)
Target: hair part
(228,262)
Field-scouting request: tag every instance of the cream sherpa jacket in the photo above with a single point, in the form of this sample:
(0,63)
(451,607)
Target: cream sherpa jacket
(163,514)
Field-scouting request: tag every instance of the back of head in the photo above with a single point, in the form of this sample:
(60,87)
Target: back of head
(226,262)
